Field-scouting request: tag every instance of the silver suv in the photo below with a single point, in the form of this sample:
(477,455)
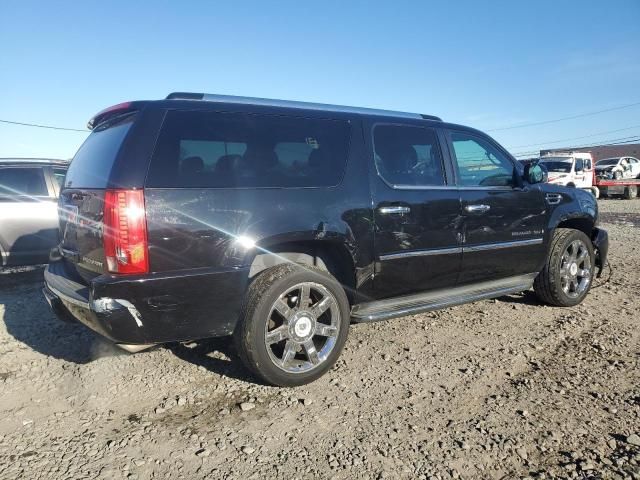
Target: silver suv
(28,209)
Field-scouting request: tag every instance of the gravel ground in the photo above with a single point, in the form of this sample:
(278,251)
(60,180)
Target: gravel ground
(496,389)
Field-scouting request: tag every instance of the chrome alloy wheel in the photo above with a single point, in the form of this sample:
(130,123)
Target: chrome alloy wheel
(575,269)
(302,327)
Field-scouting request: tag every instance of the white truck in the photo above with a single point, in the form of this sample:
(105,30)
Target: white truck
(572,169)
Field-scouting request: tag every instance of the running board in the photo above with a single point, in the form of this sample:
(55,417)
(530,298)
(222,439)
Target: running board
(435,300)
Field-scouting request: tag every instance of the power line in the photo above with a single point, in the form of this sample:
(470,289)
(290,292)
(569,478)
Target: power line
(545,122)
(621,141)
(599,142)
(574,138)
(590,145)
(612,142)
(43,126)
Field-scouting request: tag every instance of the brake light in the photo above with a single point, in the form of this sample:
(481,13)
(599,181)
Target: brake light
(125,232)
(109,112)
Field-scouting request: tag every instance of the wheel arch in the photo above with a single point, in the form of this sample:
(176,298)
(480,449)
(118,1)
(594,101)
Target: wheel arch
(583,224)
(332,256)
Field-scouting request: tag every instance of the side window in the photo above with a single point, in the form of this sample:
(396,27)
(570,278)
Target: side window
(59,174)
(16,181)
(407,155)
(479,163)
(232,150)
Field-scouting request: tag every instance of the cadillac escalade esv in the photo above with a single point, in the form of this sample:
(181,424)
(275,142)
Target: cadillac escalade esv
(281,222)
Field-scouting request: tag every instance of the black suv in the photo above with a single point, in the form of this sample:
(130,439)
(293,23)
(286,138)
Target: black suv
(281,222)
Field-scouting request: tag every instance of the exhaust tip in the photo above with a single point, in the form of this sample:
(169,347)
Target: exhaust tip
(135,348)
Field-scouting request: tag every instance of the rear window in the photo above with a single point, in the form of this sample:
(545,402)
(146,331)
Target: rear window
(92,164)
(16,181)
(233,150)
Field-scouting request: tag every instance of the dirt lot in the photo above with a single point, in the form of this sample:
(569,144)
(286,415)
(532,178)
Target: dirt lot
(495,389)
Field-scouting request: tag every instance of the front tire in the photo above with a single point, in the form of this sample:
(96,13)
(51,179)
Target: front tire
(568,272)
(294,324)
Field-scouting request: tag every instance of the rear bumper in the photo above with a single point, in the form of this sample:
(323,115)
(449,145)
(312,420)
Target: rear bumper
(600,241)
(154,308)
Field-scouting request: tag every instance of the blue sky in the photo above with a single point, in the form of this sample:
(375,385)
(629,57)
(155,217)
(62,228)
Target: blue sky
(484,64)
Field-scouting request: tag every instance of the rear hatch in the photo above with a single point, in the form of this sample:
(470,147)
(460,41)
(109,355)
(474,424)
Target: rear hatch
(82,197)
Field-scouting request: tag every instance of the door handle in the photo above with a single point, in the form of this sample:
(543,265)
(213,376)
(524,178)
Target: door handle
(396,209)
(481,208)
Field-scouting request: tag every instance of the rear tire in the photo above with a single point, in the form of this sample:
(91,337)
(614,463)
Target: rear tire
(294,324)
(630,192)
(568,272)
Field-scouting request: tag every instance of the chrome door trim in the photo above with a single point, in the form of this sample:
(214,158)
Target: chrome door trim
(421,253)
(455,250)
(501,245)
(482,188)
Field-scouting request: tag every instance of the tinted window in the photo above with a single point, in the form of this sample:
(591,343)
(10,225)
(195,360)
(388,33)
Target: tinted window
(59,174)
(226,150)
(22,181)
(408,155)
(92,164)
(479,163)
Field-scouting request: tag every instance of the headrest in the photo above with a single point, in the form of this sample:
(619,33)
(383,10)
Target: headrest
(192,165)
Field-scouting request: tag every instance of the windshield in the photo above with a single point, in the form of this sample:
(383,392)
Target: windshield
(608,161)
(558,165)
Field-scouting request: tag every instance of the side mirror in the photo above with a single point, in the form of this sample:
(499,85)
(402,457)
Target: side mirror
(535,173)
(579,165)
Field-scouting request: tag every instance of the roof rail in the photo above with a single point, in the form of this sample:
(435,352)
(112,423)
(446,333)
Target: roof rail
(208,97)
(34,160)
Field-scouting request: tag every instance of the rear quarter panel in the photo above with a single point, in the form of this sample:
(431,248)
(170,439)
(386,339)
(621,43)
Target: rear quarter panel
(210,227)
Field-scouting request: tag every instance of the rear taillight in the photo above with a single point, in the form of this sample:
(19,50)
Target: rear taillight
(125,232)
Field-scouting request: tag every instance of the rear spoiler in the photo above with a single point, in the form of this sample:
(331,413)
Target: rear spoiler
(114,111)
